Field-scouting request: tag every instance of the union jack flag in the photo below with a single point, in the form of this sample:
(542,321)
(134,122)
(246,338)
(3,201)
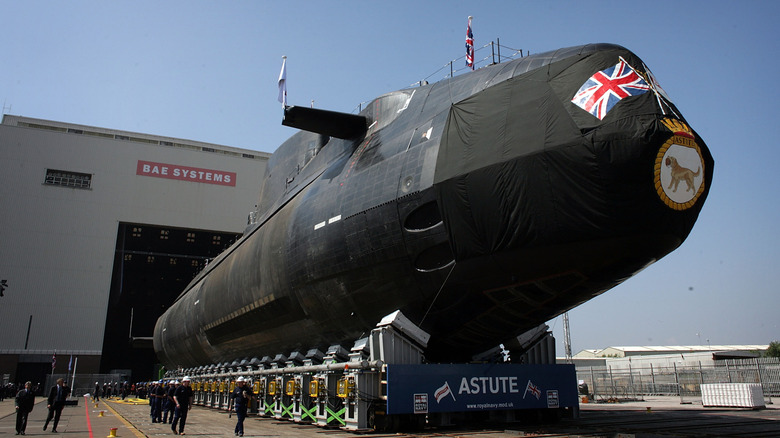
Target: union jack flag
(469,46)
(607,87)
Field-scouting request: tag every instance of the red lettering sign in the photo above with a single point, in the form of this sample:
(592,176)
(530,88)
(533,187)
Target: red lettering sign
(185,173)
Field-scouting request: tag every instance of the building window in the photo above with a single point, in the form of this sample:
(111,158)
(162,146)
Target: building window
(164,234)
(137,231)
(191,237)
(68,179)
(216,240)
(150,259)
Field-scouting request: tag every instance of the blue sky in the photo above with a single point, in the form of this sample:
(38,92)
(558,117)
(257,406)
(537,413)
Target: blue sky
(207,71)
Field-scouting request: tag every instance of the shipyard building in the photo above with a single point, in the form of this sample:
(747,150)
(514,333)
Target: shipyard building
(101,230)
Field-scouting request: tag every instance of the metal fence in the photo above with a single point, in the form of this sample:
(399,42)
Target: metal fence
(683,380)
(83,383)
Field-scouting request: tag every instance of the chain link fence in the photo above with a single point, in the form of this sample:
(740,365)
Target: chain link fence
(607,383)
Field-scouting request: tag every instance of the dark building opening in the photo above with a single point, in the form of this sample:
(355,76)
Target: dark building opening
(33,370)
(152,266)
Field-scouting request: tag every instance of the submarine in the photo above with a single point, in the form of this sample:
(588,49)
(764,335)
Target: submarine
(480,206)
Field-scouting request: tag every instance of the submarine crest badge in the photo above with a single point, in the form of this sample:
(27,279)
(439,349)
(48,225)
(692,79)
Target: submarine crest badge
(679,168)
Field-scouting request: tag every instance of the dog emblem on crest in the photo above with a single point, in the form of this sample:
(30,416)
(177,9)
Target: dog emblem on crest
(680,173)
(677,183)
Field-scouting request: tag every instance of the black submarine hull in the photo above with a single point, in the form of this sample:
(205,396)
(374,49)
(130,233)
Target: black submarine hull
(480,206)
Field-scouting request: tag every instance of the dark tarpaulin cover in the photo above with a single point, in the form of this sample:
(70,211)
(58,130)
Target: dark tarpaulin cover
(553,171)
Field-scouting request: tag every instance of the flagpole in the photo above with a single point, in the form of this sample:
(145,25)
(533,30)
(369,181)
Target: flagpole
(73,381)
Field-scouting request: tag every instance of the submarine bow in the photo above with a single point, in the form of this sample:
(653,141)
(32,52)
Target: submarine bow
(480,206)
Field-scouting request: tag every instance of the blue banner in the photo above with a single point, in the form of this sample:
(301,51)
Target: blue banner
(420,389)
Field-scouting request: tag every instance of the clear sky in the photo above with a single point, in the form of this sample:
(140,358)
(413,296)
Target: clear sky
(207,71)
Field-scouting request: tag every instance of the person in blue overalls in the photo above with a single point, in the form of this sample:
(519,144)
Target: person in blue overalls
(168,405)
(155,399)
(241,396)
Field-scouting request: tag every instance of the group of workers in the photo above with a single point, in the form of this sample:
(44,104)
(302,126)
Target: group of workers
(176,399)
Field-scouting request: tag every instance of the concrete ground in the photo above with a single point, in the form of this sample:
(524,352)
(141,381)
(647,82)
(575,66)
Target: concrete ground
(131,419)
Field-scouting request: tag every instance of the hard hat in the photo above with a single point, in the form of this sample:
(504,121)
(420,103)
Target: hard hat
(186,379)
(240,379)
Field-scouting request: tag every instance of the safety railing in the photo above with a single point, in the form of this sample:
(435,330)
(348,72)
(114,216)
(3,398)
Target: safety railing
(682,380)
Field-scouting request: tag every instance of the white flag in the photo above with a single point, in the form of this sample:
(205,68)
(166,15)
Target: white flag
(283,82)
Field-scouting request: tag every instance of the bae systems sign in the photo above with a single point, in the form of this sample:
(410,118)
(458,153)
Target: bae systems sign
(184,173)
(421,389)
